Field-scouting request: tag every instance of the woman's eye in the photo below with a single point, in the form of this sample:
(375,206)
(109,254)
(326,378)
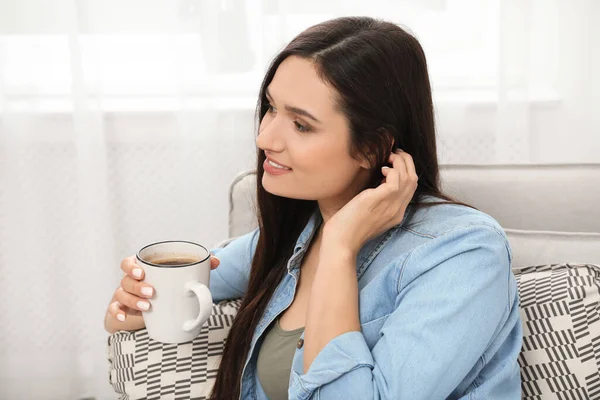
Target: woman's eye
(271,109)
(300,127)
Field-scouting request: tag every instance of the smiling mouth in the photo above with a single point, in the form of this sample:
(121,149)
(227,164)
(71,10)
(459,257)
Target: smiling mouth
(275,165)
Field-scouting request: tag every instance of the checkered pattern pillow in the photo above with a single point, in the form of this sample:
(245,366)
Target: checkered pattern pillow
(142,368)
(560,312)
(560,358)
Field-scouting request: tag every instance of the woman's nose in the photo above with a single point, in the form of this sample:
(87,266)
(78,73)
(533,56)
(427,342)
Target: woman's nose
(270,136)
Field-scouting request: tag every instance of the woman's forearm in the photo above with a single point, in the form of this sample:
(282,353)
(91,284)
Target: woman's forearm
(333,304)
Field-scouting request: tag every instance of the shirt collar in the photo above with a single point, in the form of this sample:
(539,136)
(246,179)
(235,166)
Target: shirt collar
(309,230)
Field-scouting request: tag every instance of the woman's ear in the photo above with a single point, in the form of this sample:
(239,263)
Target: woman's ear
(387,138)
(385,145)
(392,141)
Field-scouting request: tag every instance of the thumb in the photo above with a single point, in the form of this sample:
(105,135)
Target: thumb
(214,262)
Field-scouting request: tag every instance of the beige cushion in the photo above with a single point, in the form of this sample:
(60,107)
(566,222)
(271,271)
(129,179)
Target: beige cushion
(548,197)
(242,204)
(539,247)
(550,213)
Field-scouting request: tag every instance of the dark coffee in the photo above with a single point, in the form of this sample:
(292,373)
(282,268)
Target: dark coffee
(171,261)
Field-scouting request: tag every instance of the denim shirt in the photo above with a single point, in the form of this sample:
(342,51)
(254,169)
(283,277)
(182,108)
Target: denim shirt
(438,308)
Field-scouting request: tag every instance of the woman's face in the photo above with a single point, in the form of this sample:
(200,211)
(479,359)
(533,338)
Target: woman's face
(304,130)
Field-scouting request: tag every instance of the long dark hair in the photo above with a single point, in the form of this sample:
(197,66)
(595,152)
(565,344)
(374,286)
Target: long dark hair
(380,75)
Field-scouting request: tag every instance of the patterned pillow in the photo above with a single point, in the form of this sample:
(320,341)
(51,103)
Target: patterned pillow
(142,368)
(560,358)
(560,312)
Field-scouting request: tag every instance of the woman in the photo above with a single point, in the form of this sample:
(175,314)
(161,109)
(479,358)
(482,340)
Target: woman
(362,280)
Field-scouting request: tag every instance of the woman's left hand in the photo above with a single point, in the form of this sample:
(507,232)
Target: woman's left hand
(373,211)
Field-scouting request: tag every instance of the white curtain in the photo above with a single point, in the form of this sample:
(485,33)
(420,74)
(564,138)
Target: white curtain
(123,123)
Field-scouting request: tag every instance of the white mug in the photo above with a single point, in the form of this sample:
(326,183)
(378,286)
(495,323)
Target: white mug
(179,271)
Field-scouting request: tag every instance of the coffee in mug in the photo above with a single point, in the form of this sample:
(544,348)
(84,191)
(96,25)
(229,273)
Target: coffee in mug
(173,261)
(179,271)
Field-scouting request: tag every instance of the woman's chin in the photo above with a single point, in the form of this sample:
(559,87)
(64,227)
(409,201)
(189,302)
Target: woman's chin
(280,189)
(275,188)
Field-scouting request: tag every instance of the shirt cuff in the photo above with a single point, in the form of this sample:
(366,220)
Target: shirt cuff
(341,355)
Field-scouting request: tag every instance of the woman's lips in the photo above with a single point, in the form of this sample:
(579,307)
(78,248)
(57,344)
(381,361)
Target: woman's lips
(274,161)
(274,170)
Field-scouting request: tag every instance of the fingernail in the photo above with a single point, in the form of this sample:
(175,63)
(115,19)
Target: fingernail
(121,317)
(147,291)
(144,305)
(137,272)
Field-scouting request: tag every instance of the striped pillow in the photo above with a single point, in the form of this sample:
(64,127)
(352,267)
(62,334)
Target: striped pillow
(142,368)
(560,358)
(560,312)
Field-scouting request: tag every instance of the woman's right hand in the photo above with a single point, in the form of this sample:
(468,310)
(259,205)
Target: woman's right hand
(131,298)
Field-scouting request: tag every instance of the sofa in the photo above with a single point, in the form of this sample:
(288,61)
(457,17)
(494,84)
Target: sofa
(551,215)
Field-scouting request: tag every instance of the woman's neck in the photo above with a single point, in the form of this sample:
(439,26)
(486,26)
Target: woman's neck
(327,212)
(330,206)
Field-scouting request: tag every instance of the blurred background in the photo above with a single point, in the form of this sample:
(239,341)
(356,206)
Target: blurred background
(124,122)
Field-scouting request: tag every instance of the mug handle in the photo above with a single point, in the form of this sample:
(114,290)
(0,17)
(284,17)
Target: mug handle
(204,299)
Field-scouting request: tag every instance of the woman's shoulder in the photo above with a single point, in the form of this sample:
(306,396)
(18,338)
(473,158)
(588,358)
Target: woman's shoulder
(445,230)
(434,221)
(452,239)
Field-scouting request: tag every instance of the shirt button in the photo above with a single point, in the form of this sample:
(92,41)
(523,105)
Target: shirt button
(300,343)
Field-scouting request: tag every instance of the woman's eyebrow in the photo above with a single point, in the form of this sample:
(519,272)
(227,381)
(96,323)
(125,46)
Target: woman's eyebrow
(295,110)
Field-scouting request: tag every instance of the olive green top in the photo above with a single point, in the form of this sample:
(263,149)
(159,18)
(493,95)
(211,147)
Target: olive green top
(274,363)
